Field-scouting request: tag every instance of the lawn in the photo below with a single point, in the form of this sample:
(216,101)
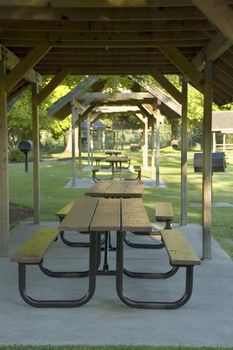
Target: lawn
(55,174)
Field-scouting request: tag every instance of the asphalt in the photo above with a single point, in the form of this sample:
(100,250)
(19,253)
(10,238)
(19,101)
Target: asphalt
(206,320)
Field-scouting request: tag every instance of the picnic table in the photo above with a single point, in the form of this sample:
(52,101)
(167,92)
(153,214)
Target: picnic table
(116,163)
(94,216)
(112,152)
(116,189)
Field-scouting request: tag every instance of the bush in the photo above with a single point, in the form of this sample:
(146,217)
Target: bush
(16,155)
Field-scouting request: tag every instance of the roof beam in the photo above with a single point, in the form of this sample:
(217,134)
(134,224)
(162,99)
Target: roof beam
(59,106)
(19,71)
(159,95)
(99,14)
(12,60)
(50,87)
(167,85)
(210,52)
(186,67)
(220,14)
(116,109)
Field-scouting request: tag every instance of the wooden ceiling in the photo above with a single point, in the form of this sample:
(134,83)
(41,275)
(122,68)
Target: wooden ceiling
(125,37)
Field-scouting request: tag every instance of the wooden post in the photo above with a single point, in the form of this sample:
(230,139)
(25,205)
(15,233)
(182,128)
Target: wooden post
(207,163)
(214,141)
(103,140)
(145,144)
(91,144)
(4,182)
(88,140)
(36,153)
(79,147)
(184,150)
(157,179)
(153,150)
(73,109)
(224,142)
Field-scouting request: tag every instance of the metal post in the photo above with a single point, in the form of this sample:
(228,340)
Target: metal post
(157,179)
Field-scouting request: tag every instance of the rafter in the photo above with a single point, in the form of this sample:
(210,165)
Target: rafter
(12,60)
(184,65)
(19,71)
(220,14)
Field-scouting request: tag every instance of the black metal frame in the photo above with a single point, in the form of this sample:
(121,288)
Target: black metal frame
(168,226)
(143,304)
(60,303)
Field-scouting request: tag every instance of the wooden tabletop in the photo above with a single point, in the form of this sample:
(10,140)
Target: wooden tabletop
(93,215)
(114,159)
(112,151)
(117,189)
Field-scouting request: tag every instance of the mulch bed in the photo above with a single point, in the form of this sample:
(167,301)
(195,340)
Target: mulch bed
(19,213)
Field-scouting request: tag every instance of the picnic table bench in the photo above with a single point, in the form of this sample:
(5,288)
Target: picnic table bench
(163,213)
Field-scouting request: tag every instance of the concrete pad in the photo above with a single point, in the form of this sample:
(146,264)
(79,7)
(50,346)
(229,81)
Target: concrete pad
(206,320)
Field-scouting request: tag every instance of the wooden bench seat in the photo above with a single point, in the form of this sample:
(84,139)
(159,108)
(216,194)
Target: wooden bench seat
(33,250)
(179,249)
(181,254)
(64,211)
(164,212)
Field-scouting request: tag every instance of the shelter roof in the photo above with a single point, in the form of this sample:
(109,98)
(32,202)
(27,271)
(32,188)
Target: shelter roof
(96,125)
(222,121)
(154,37)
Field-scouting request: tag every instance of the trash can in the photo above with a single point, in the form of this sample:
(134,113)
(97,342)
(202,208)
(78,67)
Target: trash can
(218,162)
(25,146)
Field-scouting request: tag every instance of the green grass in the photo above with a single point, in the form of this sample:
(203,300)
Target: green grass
(54,196)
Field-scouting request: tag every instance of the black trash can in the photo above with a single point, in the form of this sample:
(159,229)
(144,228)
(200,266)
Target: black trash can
(25,146)
(218,162)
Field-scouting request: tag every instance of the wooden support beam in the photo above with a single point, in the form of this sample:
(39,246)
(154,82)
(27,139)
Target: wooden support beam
(12,60)
(156,93)
(51,86)
(184,150)
(165,83)
(36,154)
(23,66)
(4,182)
(157,155)
(207,163)
(212,50)
(74,116)
(219,13)
(186,67)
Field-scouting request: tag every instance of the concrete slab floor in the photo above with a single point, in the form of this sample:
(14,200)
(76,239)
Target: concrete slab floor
(206,320)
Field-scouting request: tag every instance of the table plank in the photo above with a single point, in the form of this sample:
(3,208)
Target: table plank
(134,189)
(116,189)
(107,215)
(99,188)
(134,216)
(80,216)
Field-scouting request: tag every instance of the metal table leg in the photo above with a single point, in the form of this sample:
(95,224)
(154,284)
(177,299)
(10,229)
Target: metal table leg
(63,303)
(143,304)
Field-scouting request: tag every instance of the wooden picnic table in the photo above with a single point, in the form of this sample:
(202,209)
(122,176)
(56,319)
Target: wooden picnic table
(112,152)
(116,189)
(92,215)
(116,163)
